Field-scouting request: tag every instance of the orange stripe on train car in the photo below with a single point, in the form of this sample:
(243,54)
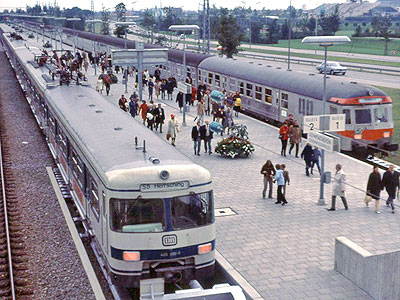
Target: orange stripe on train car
(354,101)
(369,134)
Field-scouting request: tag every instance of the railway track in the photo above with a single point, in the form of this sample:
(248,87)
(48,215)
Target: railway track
(14,279)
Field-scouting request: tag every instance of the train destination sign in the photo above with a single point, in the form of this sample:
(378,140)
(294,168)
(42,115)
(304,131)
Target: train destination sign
(162,187)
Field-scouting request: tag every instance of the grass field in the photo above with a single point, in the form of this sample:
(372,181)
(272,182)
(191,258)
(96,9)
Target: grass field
(374,46)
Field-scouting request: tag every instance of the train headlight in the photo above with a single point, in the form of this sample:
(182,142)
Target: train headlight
(357,136)
(203,249)
(386,134)
(131,255)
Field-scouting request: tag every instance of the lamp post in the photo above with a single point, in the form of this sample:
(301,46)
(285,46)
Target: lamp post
(183,37)
(324,41)
(73,20)
(126,24)
(59,30)
(94,22)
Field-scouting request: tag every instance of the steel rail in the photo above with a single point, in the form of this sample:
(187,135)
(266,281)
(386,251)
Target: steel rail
(6,225)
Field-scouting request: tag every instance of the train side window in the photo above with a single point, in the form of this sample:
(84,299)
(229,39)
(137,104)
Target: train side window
(285,101)
(332,109)
(347,112)
(104,204)
(249,90)
(52,125)
(94,195)
(258,93)
(217,80)
(241,88)
(210,78)
(77,168)
(199,76)
(268,96)
(62,142)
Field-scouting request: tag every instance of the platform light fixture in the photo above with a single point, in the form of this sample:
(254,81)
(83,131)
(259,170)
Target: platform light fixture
(324,41)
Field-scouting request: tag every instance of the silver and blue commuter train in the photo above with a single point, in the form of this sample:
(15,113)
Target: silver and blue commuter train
(149,209)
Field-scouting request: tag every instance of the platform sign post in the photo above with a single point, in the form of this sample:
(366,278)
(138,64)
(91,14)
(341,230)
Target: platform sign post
(139,57)
(316,127)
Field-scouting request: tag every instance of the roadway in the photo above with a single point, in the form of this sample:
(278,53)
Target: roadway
(385,80)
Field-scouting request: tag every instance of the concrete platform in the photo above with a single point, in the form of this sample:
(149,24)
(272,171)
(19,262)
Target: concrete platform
(284,252)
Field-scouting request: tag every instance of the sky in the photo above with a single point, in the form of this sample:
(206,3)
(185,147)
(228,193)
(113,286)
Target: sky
(186,4)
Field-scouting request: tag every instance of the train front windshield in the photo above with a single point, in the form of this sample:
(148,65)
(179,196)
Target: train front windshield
(156,215)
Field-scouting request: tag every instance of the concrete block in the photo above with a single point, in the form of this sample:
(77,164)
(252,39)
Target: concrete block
(378,275)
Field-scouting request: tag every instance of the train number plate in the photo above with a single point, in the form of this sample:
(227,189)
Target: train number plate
(169,240)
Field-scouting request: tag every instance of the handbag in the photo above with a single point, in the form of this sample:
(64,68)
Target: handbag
(168,136)
(280,136)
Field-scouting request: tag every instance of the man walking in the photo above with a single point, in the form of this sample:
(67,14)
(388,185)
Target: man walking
(207,136)
(279,178)
(160,116)
(315,159)
(151,87)
(339,183)
(196,137)
(307,154)
(390,182)
(173,129)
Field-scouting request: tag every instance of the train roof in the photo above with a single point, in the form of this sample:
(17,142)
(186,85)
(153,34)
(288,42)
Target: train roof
(106,134)
(296,82)
(192,59)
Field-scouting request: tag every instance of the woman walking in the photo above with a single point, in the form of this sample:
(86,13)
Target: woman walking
(284,136)
(374,187)
(268,171)
(173,129)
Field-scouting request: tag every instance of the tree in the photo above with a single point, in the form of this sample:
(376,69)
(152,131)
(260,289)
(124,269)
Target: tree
(149,21)
(228,34)
(358,31)
(273,32)
(285,30)
(329,23)
(255,32)
(169,18)
(105,22)
(381,27)
(120,9)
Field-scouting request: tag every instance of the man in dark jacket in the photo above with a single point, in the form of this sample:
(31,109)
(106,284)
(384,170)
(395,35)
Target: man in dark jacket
(159,114)
(307,154)
(391,182)
(196,137)
(179,99)
(157,73)
(207,136)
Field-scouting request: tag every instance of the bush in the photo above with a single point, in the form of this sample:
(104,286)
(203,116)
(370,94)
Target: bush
(236,145)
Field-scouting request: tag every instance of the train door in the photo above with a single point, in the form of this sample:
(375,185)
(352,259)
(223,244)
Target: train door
(94,206)
(278,104)
(284,105)
(104,225)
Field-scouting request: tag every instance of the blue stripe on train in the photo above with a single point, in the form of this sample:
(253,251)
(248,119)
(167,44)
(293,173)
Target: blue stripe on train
(161,254)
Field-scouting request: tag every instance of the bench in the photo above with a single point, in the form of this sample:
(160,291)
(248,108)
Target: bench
(47,78)
(51,68)
(34,64)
